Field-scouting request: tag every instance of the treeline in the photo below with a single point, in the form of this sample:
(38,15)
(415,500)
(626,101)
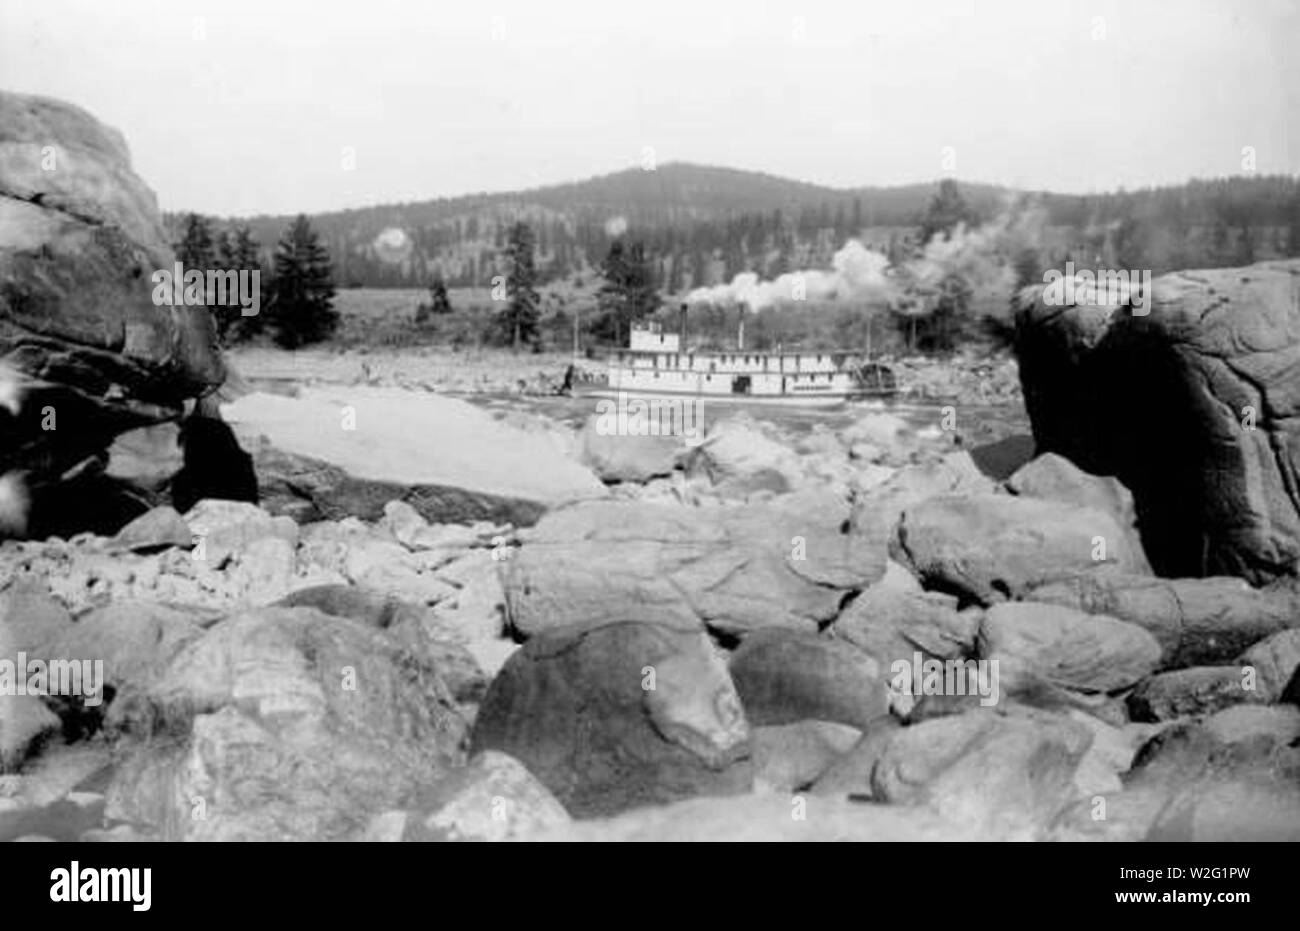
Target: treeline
(296,300)
(703,229)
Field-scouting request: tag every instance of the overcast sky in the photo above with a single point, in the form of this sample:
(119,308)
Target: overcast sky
(234,107)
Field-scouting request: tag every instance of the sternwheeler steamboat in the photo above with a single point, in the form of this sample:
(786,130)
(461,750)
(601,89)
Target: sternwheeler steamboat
(655,366)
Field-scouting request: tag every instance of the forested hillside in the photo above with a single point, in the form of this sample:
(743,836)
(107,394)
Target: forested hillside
(703,225)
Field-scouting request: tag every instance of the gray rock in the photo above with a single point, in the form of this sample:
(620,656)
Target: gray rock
(787,563)
(790,757)
(617,458)
(1056,478)
(284,724)
(1195,690)
(1037,643)
(158,528)
(1213,472)
(994,547)
(494,798)
(1006,775)
(576,707)
(892,625)
(1196,621)
(478,469)
(785,676)
(31,617)
(1276,660)
(742,818)
(78,323)
(1280,723)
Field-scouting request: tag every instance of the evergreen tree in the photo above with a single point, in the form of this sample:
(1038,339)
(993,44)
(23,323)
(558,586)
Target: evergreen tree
(642,283)
(438,304)
(196,250)
(302,304)
(947,210)
(611,297)
(1246,245)
(629,292)
(238,251)
(520,318)
(1293,225)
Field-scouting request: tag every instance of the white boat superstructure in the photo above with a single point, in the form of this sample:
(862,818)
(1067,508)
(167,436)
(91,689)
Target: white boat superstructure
(654,364)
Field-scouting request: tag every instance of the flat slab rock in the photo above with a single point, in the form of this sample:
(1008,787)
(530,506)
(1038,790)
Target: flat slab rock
(784,563)
(449,459)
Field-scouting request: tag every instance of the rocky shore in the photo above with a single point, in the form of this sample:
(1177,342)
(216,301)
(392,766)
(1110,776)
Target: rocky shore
(711,647)
(444,622)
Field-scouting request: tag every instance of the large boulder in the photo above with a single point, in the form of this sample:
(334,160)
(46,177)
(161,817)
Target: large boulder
(786,676)
(1192,691)
(1195,621)
(1059,647)
(741,456)
(342,451)
(735,569)
(1193,406)
(494,798)
(995,547)
(1188,784)
(1007,775)
(893,626)
(626,457)
(1055,478)
(620,715)
(81,339)
(283,724)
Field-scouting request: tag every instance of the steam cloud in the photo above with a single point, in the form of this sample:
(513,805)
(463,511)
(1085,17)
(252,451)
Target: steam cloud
(982,256)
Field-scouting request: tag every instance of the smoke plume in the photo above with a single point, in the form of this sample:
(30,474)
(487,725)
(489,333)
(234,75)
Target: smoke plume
(981,255)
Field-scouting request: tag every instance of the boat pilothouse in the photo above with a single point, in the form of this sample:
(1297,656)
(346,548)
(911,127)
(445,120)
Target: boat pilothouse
(656,364)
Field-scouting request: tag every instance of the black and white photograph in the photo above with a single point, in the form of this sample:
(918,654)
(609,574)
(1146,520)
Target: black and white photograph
(719,422)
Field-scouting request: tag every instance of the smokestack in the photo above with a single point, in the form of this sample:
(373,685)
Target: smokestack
(681,326)
(740,329)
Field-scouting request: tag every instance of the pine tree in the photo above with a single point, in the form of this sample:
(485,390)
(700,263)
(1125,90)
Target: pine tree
(438,304)
(642,283)
(302,305)
(519,320)
(947,209)
(195,250)
(611,297)
(1246,245)
(1293,225)
(238,251)
(629,292)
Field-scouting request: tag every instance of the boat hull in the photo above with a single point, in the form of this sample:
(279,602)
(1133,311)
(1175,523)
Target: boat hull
(821,399)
